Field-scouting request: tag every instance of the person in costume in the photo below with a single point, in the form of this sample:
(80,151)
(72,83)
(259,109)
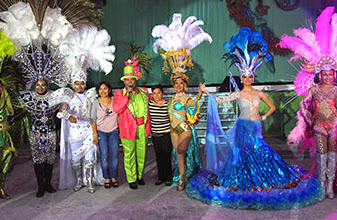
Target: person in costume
(242,171)
(7,150)
(43,137)
(41,69)
(85,48)
(160,134)
(317,116)
(176,41)
(80,136)
(46,33)
(131,105)
(105,121)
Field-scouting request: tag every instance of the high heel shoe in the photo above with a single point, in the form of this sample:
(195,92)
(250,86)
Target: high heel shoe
(181,185)
(3,194)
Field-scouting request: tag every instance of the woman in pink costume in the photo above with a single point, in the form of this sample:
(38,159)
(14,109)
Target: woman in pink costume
(317,117)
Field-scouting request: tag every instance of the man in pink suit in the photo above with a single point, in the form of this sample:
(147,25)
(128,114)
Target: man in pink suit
(131,104)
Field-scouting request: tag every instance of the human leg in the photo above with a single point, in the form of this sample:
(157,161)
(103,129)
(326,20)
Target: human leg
(321,157)
(40,173)
(331,168)
(6,163)
(129,160)
(77,167)
(157,149)
(103,148)
(50,159)
(89,164)
(141,143)
(167,158)
(113,154)
(183,142)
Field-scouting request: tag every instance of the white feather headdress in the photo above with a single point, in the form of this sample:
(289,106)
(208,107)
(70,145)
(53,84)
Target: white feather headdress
(177,40)
(88,47)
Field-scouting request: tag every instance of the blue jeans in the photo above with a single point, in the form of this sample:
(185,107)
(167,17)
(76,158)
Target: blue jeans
(108,146)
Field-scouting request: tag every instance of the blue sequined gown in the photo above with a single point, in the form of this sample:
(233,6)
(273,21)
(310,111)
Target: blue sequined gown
(242,171)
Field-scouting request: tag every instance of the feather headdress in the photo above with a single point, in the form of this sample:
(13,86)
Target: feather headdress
(317,48)
(177,40)
(40,28)
(85,48)
(247,50)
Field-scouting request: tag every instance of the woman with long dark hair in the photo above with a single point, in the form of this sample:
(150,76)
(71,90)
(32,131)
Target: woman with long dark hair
(105,123)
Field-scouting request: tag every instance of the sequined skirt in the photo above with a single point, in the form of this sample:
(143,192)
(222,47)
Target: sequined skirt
(254,176)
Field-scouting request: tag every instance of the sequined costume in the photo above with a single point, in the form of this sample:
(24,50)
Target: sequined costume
(317,114)
(76,144)
(179,108)
(316,128)
(42,137)
(323,118)
(243,171)
(7,150)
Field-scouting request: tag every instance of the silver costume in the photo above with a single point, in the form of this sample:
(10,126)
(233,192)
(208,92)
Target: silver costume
(43,136)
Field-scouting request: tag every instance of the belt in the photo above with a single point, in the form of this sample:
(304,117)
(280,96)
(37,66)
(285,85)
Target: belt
(140,121)
(4,126)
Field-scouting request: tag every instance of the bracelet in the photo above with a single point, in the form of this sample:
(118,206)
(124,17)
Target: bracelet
(95,135)
(199,96)
(264,118)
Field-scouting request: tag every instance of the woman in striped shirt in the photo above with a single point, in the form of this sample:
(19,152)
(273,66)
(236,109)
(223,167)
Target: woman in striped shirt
(160,129)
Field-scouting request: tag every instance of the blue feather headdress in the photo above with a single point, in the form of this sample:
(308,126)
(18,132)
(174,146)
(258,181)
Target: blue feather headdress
(247,50)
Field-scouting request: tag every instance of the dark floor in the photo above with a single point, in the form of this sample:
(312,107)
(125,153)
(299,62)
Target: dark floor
(148,202)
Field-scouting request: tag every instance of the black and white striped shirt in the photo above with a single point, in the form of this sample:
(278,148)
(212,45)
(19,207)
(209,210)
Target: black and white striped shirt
(160,119)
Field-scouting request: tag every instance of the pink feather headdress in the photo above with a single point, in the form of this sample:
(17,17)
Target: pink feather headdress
(319,49)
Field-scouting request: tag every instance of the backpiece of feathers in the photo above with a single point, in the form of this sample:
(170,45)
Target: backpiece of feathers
(88,47)
(77,12)
(247,50)
(177,36)
(316,47)
(143,58)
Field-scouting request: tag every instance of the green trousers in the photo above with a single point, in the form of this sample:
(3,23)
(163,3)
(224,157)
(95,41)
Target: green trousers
(6,163)
(132,149)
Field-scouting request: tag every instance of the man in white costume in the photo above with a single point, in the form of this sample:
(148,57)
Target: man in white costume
(77,148)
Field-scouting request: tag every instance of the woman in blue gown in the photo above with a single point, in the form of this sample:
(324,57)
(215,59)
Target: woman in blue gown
(242,171)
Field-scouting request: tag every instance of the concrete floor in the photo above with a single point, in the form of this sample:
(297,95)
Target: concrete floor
(148,202)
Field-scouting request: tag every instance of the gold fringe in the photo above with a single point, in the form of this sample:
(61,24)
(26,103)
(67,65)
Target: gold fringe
(194,119)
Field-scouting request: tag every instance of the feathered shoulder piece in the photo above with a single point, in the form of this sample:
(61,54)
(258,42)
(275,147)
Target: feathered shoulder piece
(317,48)
(177,40)
(247,50)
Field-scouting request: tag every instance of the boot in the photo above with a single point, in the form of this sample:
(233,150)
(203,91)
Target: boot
(39,173)
(89,166)
(331,173)
(48,174)
(321,160)
(77,168)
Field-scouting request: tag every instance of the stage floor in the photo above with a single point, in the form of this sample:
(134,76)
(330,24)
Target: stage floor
(148,202)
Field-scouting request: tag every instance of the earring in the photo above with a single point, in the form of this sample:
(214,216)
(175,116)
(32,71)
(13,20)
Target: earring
(173,89)
(186,89)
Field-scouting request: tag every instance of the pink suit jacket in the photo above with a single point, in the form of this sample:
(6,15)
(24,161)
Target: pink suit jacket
(127,121)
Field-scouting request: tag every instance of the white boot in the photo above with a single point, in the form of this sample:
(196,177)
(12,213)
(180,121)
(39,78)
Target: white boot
(89,166)
(77,168)
(331,170)
(321,160)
